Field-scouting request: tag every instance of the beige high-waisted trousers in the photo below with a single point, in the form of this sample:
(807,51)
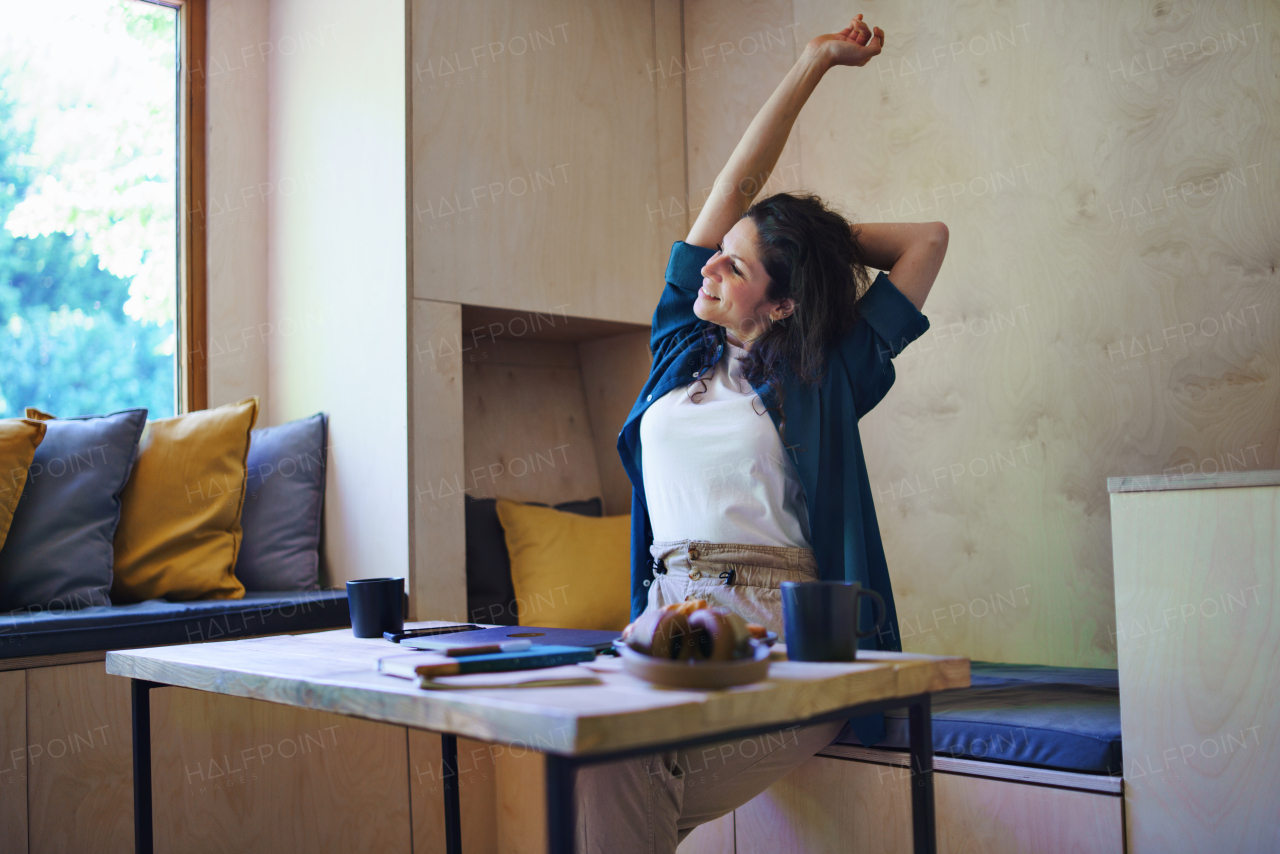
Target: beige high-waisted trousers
(650,804)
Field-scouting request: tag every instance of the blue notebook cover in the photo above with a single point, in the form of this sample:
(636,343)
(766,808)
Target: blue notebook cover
(541,656)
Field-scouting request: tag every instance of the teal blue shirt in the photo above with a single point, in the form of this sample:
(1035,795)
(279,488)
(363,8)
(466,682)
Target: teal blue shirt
(821,432)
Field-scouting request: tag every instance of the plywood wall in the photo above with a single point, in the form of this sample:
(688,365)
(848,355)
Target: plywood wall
(338,289)
(1109,302)
(527,434)
(546,150)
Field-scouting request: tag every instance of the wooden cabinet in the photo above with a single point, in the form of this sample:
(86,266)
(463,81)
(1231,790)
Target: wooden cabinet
(1197,559)
(543,149)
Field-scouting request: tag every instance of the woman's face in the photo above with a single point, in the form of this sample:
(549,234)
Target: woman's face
(734,284)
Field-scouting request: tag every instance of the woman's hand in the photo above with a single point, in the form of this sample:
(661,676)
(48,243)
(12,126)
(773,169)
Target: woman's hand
(855,45)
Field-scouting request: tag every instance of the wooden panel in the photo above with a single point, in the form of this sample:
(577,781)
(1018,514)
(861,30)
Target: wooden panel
(80,747)
(193,307)
(1155,483)
(537,182)
(477,780)
(333,671)
(835,804)
(613,372)
(829,805)
(714,837)
(975,814)
(338,267)
(27,661)
(13,762)
(438,588)
(670,220)
(521,802)
(1109,298)
(527,433)
(734,56)
(1198,630)
(240,775)
(238,189)
(484,324)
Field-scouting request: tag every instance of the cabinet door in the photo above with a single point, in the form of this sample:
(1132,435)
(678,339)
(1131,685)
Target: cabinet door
(548,154)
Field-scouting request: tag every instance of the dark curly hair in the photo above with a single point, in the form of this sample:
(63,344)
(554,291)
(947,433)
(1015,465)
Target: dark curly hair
(812,255)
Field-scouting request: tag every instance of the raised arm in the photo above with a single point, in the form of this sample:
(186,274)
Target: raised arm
(910,252)
(752,161)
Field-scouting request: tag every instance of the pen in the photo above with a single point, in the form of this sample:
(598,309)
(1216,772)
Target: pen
(481,649)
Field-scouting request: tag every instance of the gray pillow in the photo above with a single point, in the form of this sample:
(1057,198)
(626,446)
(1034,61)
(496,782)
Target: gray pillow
(284,506)
(59,555)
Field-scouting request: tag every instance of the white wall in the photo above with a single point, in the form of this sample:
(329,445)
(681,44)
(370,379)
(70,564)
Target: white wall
(238,189)
(336,260)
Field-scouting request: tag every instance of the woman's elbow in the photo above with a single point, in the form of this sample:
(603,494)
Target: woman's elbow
(936,237)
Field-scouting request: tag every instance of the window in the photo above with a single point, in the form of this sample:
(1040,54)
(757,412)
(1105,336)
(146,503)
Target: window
(90,245)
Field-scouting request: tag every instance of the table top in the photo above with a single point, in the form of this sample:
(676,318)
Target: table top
(334,671)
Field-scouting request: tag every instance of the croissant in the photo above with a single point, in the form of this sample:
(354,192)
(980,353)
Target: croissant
(691,631)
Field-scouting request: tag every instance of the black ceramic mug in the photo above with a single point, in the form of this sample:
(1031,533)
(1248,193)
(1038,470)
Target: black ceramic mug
(377,606)
(820,619)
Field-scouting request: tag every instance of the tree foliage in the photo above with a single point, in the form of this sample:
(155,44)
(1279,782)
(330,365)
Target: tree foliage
(87,251)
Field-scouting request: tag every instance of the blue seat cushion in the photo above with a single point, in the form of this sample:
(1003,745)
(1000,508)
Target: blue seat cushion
(158,622)
(1064,718)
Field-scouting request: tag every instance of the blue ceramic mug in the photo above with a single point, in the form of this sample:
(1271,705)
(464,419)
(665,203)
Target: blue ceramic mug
(820,619)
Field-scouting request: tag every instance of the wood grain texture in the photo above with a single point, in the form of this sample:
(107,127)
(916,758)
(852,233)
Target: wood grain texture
(735,54)
(850,806)
(477,794)
(1198,631)
(29,661)
(1109,300)
(80,773)
(334,672)
(829,805)
(614,370)
(193,241)
(237,775)
(714,837)
(538,168)
(438,586)
(238,187)
(521,802)
(1156,483)
(528,436)
(13,762)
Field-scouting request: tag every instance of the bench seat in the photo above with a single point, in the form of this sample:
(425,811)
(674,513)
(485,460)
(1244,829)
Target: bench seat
(1061,718)
(159,622)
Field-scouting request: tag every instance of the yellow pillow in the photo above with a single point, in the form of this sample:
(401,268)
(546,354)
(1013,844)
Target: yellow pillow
(179,527)
(569,571)
(19,438)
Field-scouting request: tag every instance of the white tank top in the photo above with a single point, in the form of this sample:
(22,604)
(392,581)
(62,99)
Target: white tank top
(715,470)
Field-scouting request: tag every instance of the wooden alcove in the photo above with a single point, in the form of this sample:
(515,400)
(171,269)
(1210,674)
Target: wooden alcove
(544,397)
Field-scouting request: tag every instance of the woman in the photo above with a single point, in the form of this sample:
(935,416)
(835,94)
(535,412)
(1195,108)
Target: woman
(761,314)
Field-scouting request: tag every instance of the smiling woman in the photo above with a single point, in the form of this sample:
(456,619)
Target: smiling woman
(781,319)
(88,201)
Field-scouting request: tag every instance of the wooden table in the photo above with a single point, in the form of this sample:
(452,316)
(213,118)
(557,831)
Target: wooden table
(334,672)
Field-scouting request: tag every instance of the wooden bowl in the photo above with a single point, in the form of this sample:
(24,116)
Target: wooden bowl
(704,675)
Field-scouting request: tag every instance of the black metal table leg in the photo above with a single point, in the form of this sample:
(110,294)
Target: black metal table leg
(452,807)
(559,788)
(140,691)
(923,828)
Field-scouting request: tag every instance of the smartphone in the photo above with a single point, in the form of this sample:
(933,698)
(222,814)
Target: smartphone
(396,637)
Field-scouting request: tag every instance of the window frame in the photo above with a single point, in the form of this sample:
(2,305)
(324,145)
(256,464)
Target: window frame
(191,369)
